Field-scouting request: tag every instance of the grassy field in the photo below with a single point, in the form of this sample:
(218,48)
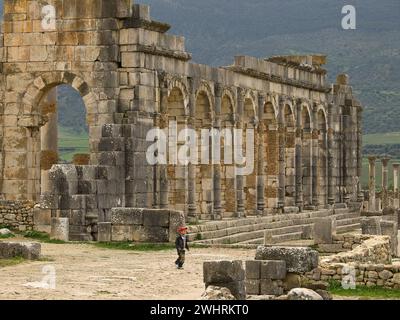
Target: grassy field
(382,138)
(71,143)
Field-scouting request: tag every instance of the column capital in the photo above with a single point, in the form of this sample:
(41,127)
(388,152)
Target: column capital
(396,165)
(372,159)
(385,160)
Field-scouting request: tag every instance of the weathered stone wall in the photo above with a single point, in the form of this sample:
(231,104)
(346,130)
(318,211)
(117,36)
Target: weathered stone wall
(133,77)
(17,214)
(141,225)
(375,249)
(370,275)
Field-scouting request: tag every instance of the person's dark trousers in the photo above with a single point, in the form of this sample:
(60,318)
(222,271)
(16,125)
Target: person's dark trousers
(181,259)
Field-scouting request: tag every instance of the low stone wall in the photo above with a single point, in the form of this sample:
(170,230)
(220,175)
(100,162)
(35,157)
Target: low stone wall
(343,243)
(369,275)
(17,214)
(368,264)
(376,249)
(141,225)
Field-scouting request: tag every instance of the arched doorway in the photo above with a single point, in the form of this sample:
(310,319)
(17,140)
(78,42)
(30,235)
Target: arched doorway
(322,158)
(306,156)
(290,156)
(64,137)
(228,177)
(271,156)
(250,181)
(177,173)
(204,172)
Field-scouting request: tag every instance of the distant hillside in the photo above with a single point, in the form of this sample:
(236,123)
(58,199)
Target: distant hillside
(216,30)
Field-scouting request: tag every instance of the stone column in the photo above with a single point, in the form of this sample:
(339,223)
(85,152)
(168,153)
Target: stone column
(299,159)
(385,173)
(261,167)
(331,164)
(164,192)
(385,181)
(239,178)
(372,183)
(281,161)
(315,157)
(192,208)
(396,167)
(217,212)
(360,196)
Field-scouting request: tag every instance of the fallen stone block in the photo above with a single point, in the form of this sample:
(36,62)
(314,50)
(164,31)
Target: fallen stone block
(298,260)
(127,216)
(223,271)
(303,294)
(59,229)
(217,293)
(275,270)
(26,250)
(253,269)
(156,218)
(371,225)
(324,230)
(270,287)
(253,286)
(104,232)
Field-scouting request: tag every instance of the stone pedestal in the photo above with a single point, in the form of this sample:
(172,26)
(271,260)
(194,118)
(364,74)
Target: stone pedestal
(324,230)
(59,229)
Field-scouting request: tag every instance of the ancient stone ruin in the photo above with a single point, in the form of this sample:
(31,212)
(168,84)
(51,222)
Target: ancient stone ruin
(133,77)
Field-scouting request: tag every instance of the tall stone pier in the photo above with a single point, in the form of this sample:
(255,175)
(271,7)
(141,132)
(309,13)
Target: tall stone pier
(372,183)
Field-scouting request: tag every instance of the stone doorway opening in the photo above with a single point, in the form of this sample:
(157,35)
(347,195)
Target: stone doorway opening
(64,137)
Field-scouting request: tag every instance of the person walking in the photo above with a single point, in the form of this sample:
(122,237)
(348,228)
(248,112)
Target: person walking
(181,244)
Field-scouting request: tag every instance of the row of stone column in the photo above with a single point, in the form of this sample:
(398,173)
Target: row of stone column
(260,162)
(385,178)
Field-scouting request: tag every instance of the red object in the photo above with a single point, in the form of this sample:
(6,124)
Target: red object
(182,229)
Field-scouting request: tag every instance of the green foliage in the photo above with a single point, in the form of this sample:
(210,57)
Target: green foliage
(6,236)
(11,262)
(135,246)
(368,292)
(42,237)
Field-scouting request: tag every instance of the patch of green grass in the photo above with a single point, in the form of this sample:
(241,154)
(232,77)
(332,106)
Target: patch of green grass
(382,138)
(11,262)
(6,236)
(42,237)
(135,246)
(336,288)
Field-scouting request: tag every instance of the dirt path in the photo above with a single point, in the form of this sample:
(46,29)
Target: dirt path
(87,272)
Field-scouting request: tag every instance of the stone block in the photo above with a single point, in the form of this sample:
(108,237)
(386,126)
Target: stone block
(122,233)
(104,232)
(127,216)
(59,229)
(223,271)
(253,269)
(150,234)
(371,225)
(297,260)
(156,218)
(269,287)
(324,230)
(390,228)
(292,281)
(26,250)
(253,286)
(275,270)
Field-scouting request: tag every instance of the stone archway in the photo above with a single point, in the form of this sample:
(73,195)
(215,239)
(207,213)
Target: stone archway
(35,116)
